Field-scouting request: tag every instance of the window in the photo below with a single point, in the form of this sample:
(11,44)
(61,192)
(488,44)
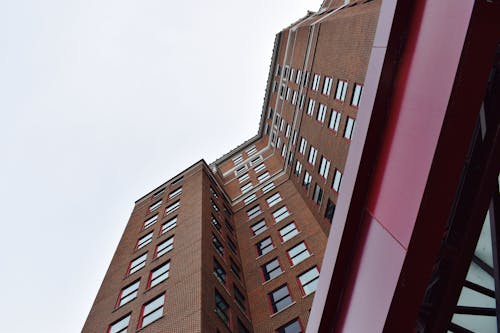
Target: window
(231,244)
(288,232)
(273,199)
(173,207)
(159,274)
(356,95)
(250,199)
(264,246)
(221,308)
(271,269)
(279,143)
(151,311)
(327,86)
(137,264)
(305,79)
(309,280)
(280,298)
(288,91)
(175,193)
(240,170)
(252,150)
(303,146)
(285,72)
(324,167)
(288,130)
(177,181)
(313,152)
(281,214)
(169,225)
(127,294)
(214,206)
(282,92)
(244,178)
(292,71)
(247,187)
(297,78)
(155,206)
(307,180)
(298,253)
(298,168)
(120,326)
(268,187)
(158,193)
(341,90)
(302,100)
(321,113)
(349,127)
(258,227)
(229,226)
(253,212)
(330,210)
(219,272)
(290,158)
(218,245)
(292,327)
(310,107)
(334,121)
(317,194)
(216,223)
(336,180)
(235,269)
(149,222)
(255,160)
(259,167)
(294,97)
(263,177)
(283,151)
(278,70)
(144,240)
(214,193)
(275,86)
(242,328)
(239,298)
(315,83)
(164,247)
(237,159)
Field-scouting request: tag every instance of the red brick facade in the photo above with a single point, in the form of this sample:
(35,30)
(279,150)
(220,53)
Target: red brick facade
(218,230)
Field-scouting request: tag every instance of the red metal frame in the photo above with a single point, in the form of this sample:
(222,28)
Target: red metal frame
(141,316)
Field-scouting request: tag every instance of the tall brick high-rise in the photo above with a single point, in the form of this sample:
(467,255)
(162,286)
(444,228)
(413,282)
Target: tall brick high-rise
(237,245)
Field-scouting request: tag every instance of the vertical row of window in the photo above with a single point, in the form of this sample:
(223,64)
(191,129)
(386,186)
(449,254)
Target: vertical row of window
(222,307)
(153,309)
(280,298)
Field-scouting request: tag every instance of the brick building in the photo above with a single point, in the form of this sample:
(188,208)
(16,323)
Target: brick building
(237,246)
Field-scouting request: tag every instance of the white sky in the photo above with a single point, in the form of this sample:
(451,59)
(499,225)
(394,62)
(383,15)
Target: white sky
(100,102)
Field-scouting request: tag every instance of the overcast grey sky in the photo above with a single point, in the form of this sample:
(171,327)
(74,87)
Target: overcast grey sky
(101,101)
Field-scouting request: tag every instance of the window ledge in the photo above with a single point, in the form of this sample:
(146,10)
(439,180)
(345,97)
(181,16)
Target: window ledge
(280,311)
(272,279)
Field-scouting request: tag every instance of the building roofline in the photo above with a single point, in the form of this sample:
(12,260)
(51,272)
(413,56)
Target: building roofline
(202,161)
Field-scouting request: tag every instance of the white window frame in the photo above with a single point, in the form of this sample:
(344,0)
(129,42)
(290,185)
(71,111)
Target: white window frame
(349,128)
(337,179)
(274,199)
(356,94)
(334,121)
(327,86)
(313,153)
(316,81)
(310,106)
(341,90)
(321,113)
